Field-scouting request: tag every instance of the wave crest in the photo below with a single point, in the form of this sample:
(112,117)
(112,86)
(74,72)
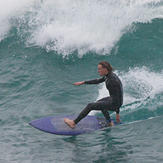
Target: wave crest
(70,25)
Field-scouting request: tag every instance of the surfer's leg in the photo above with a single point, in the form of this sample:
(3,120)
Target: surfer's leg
(105,111)
(106,114)
(84,113)
(99,105)
(107,117)
(103,105)
(107,105)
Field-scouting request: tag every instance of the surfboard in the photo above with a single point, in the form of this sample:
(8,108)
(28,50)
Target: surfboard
(56,124)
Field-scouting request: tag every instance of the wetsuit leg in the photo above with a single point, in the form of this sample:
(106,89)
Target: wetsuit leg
(105,112)
(104,105)
(114,108)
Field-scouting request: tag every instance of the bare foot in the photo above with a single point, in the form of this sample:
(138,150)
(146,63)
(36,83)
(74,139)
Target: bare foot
(70,122)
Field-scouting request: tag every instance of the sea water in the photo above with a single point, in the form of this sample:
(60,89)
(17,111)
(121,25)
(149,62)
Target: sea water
(47,45)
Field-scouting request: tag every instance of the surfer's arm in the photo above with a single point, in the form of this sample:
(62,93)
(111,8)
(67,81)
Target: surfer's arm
(94,81)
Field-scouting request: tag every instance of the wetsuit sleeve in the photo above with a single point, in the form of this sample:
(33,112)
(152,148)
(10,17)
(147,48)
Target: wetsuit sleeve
(95,81)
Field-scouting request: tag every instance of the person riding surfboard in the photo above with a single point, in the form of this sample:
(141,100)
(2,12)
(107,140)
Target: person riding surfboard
(110,103)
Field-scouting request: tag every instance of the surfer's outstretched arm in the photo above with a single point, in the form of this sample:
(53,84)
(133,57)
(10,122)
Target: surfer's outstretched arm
(94,81)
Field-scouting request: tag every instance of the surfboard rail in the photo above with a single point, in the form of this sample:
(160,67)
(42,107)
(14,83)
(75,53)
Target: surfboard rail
(56,124)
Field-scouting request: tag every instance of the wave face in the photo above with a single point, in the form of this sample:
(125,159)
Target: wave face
(69,25)
(47,45)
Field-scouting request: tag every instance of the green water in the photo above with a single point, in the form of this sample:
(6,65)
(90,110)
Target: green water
(45,50)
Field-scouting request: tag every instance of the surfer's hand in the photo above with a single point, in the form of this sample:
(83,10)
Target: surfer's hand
(79,83)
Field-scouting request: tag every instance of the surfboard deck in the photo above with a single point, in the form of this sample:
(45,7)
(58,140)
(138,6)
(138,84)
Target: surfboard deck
(56,124)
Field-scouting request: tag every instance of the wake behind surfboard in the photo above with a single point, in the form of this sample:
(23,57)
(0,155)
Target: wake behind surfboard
(56,125)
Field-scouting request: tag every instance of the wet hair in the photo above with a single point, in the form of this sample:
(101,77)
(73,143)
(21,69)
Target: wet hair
(106,65)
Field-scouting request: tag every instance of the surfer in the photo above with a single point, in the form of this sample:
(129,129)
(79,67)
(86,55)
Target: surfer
(111,103)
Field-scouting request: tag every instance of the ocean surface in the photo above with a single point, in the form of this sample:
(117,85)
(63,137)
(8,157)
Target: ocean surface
(47,45)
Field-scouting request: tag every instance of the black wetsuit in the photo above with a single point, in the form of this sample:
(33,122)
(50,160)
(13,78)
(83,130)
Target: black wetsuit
(112,103)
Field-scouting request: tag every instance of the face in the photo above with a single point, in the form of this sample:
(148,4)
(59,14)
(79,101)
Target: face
(102,71)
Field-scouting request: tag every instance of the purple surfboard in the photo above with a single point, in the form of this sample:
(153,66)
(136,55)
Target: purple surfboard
(56,125)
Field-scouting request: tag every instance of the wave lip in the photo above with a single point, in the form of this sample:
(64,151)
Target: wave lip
(9,11)
(66,26)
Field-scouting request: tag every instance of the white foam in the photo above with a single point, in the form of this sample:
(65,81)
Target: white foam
(68,25)
(11,9)
(89,25)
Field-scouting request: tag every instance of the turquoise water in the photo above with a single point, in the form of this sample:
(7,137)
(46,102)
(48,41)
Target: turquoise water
(46,46)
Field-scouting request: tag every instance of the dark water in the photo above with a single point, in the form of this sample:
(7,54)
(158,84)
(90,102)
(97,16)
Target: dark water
(46,46)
